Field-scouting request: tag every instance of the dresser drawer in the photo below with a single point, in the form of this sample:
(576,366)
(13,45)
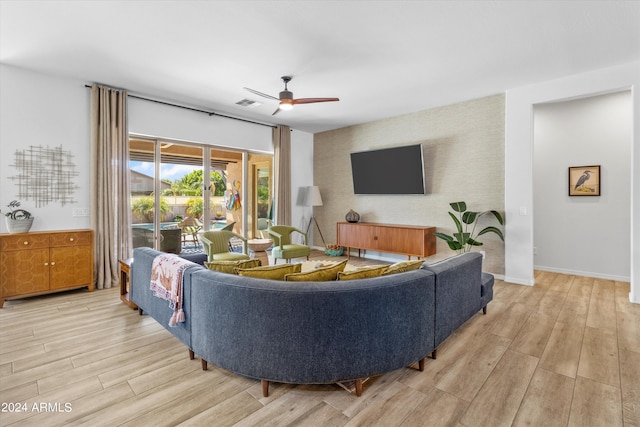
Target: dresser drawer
(24,241)
(70,238)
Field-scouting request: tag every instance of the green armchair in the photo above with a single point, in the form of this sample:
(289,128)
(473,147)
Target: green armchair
(216,245)
(282,246)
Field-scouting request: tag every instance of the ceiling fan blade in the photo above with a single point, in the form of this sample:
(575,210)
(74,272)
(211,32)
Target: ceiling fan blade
(276,112)
(261,94)
(314,100)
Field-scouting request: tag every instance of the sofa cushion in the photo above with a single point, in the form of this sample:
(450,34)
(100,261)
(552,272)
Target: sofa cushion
(230,266)
(318,275)
(362,273)
(403,266)
(273,272)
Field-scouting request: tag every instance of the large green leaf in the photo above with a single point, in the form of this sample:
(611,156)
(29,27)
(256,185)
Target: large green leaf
(453,245)
(469,217)
(474,242)
(458,206)
(498,216)
(492,229)
(443,236)
(456,221)
(463,238)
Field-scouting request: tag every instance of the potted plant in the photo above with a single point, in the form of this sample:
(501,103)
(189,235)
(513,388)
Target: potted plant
(18,220)
(464,239)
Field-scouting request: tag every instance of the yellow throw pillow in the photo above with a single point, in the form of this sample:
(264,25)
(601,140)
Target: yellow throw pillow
(273,272)
(401,267)
(318,275)
(230,266)
(362,273)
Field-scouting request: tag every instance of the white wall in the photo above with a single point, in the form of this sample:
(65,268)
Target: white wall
(587,236)
(39,109)
(42,110)
(519,162)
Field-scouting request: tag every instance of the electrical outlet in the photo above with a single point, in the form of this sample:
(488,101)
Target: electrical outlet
(80,212)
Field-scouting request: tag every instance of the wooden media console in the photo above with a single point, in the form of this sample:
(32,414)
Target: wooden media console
(408,240)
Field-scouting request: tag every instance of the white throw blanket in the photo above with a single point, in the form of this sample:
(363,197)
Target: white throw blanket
(167,273)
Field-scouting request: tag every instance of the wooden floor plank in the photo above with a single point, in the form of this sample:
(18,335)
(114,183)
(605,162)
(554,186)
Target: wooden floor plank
(599,356)
(469,373)
(498,400)
(547,401)
(437,409)
(534,335)
(512,320)
(630,383)
(562,353)
(595,404)
(602,313)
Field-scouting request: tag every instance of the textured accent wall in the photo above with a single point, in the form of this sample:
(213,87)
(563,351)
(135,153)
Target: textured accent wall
(463,150)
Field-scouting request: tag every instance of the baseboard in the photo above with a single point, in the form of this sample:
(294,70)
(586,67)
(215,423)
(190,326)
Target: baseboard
(583,273)
(518,280)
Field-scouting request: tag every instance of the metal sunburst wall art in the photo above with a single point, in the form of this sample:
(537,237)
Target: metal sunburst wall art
(45,175)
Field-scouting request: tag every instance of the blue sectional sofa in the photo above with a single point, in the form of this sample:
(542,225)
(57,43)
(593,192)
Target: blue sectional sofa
(318,332)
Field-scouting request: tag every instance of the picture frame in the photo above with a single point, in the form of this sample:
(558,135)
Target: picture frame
(584,180)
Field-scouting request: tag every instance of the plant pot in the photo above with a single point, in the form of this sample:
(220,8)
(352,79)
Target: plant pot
(19,225)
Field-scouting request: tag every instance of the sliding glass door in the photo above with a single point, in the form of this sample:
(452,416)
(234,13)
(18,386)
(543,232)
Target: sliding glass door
(192,195)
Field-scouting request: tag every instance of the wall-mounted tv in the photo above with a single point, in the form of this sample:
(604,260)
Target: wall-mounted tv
(396,170)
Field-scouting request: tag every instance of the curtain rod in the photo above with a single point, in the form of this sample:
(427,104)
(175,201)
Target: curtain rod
(210,113)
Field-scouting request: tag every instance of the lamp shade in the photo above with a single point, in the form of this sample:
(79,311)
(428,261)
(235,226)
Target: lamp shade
(313,197)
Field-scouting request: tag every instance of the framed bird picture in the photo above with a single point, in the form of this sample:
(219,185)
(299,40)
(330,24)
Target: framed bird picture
(584,180)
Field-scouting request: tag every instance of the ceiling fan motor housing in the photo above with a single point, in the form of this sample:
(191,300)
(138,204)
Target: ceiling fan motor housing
(286,94)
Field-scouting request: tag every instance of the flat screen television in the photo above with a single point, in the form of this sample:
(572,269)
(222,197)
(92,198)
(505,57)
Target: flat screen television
(397,170)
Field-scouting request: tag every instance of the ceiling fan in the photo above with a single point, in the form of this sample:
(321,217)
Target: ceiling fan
(286,98)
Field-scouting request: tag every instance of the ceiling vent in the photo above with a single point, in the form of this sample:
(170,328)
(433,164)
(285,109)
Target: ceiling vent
(248,103)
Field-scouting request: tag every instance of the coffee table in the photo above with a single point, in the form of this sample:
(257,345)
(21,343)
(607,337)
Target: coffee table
(258,248)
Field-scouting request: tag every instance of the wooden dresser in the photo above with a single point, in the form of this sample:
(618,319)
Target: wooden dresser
(42,262)
(408,240)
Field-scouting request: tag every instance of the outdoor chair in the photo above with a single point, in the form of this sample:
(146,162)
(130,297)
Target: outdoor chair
(190,228)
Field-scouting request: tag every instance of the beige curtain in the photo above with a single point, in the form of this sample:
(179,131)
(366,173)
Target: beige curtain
(282,173)
(110,205)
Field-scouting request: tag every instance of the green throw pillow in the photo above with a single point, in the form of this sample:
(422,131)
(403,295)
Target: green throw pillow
(230,266)
(362,273)
(401,267)
(319,275)
(273,272)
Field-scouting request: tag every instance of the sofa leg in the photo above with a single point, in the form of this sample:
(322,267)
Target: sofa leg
(204,364)
(484,310)
(434,353)
(191,355)
(421,364)
(140,311)
(359,387)
(265,388)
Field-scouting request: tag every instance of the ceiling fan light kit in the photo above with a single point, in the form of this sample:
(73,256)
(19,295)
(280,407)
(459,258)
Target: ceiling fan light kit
(287,101)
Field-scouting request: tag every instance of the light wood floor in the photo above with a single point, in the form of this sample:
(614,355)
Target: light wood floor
(564,352)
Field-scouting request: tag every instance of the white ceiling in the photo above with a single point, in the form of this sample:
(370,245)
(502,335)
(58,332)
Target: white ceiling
(381,58)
